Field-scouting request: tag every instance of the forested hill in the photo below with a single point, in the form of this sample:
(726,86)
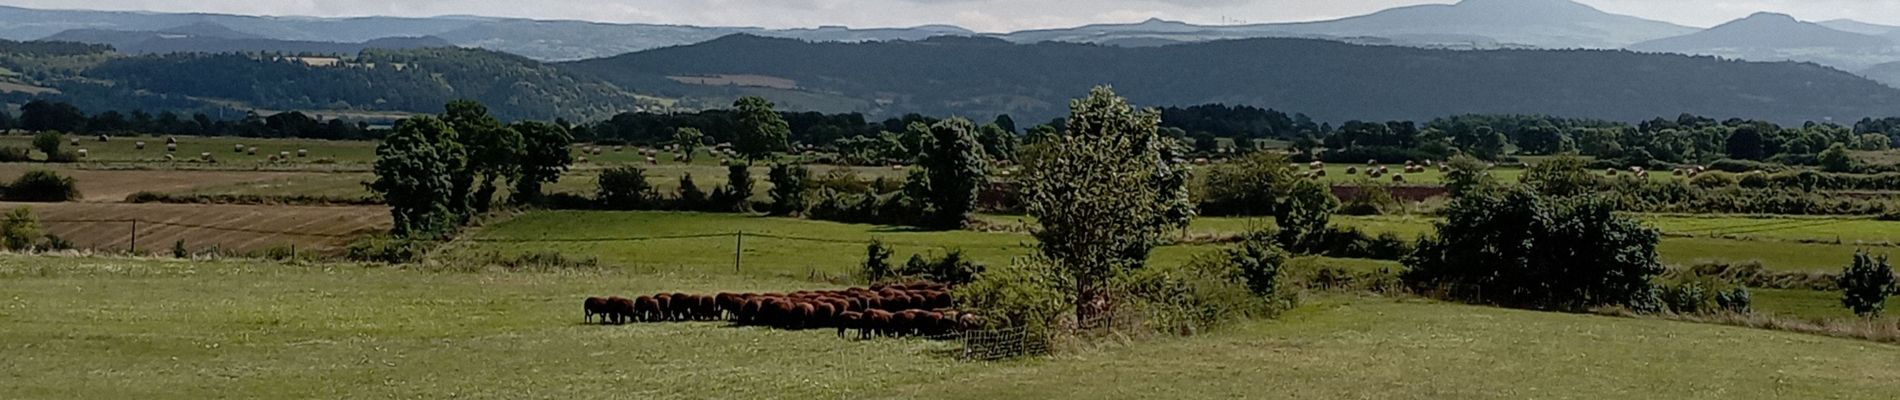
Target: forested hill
(415,80)
(1330,81)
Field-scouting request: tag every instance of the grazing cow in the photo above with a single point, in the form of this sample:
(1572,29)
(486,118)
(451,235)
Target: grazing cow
(824,314)
(666,306)
(647,308)
(928,323)
(876,322)
(849,319)
(780,312)
(619,309)
(902,322)
(592,306)
(726,303)
(806,313)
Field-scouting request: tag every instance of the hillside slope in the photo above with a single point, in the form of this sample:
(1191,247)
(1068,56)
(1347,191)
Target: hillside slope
(1327,80)
(1777,37)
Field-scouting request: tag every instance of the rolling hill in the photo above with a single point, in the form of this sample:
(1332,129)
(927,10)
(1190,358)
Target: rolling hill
(1469,23)
(207,37)
(1777,37)
(1327,80)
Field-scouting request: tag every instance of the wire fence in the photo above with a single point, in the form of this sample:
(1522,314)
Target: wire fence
(136,235)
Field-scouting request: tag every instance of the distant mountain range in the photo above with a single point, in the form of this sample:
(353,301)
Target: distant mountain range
(1327,80)
(1777,37)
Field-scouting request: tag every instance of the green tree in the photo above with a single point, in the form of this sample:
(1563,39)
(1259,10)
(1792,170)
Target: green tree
(1836,159)
(954,161)
(1103,197)
(738,190)
(789,182)
(1866,283)
(413,166)
(47,142)
(688,139)
(1250,185)
(1746,143)
(491,152)
(1467,174)
(762,130)
(998,143)
(1561,176)
(689,196)
(1006,123)
(1519,248)
(624,188)
(45,116)
(1304,213)
(877,262)
(20,229)
(1259,263)
(544,157)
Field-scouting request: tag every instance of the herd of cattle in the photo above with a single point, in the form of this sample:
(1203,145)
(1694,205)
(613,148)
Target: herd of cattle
(917,308)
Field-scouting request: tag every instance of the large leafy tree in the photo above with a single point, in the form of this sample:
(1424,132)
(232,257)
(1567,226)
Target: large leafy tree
(475,134)
(762,130)
(544,158)
(1746,143)
(1561,176)
(413,166)
(1104,196)
(43,116)
(494,151)
(955,162)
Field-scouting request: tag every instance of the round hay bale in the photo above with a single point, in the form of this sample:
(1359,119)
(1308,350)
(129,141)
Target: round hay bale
(303,153)
(83,153)
(1396,178)
(1352,170)
(251,151)
(104,138)
(139,145)
(171,147)
(171,140)
(237,148)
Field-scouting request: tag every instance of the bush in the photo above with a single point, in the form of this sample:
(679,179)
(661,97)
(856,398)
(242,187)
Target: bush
(1740,166)
(15,154)
(42,186)
(179,250)
(47,142)
(1688,297)
(1191,298)
(19,230)
(383,249)
(1027,294)
(1519,248)
(1866,283)
(1736,301)
(950,269)
(688,197)
(56,243)
(1258,263)
(624,188)
(1717,179)
(788,188)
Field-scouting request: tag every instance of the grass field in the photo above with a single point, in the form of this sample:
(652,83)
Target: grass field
(110,328)
(115,185)
(125,149)
(232,228)
(1809,304)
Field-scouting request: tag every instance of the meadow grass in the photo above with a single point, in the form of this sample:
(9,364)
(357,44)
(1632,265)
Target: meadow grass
(124,149)
(153,329)
(1810,304)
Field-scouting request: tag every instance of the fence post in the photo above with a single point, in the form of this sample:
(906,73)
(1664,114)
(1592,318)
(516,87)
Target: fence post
(135,237)
(738,247)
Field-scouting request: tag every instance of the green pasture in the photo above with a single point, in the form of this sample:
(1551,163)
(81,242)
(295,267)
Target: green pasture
(124,149)
(154,329)
(1809,304)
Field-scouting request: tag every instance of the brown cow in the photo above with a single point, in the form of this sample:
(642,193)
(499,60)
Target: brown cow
(875,322)
(647,308)
(620,309)
(849,319)
(592,306)
(665,303)
(903,322)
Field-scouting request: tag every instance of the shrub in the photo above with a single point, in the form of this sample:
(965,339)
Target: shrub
(877,262)
(950,269)
(737,194)
(1688,297)
(19,230)
(56,243)
(1258,262)
(1251,185)
(179,250)
(385,249)
(15,154)
(624,188)
(688,197)
(47,142)
(1717,179)
(1736,301)
(42,186)
(1027,294)
(1519,248)
(788,188)
(1866,283)
(1740,166)
(63,157)
(1193,297)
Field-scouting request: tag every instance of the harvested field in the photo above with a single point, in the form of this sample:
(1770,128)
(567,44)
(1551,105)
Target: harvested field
(231,228)
(124,149)
(114,185)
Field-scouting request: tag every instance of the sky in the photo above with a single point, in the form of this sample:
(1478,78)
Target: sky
(980,15)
